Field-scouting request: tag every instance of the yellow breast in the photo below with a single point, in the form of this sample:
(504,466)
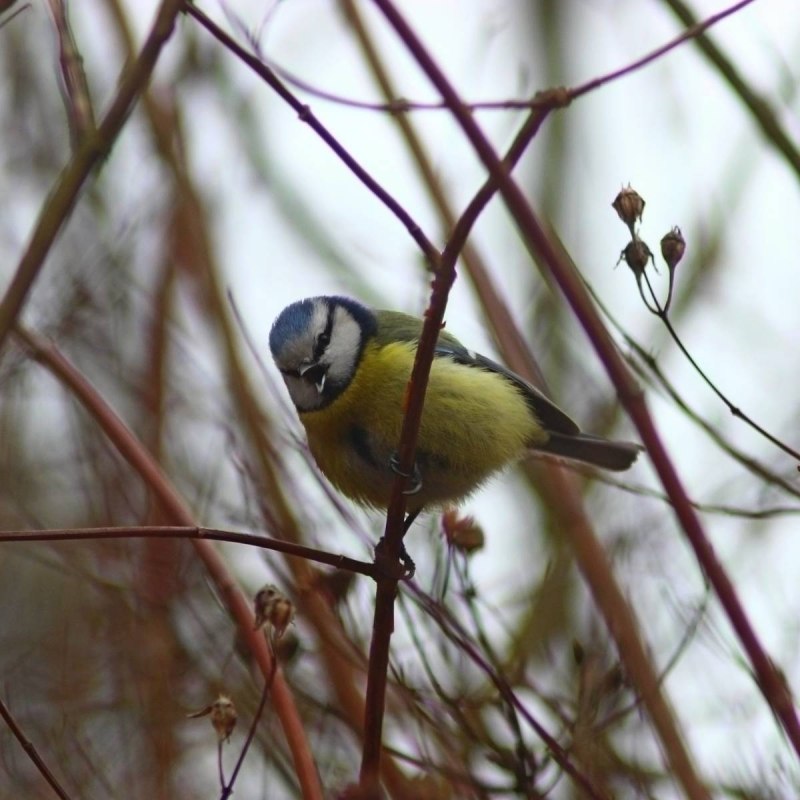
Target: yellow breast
(474,422)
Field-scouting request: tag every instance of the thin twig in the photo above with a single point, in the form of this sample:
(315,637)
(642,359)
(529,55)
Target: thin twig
(91,151)
(191,532)
(661,312)
(540,101)
(227,791)
(694,31)
(15,13)
(632,649)
(174,506)
(34,756)
(651,364)
(734,409)
(220,769)
(305,114)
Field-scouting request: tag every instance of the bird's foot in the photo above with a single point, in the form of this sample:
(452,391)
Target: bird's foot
(409,567)
(415,476)
(400,567)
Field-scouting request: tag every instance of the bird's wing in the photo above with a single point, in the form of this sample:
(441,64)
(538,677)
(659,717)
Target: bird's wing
(407,328)
(546,411)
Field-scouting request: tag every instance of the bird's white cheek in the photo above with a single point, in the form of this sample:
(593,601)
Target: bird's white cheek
(305,395)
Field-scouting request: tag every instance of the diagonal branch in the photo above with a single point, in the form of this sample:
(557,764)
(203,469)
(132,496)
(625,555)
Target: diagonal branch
(33,754)
(305,114)
(770,679)
(89,154)
(631,649)
(157,482)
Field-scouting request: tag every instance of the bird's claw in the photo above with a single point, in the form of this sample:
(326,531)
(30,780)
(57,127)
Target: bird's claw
(400,567)
(409,567)
(415,476)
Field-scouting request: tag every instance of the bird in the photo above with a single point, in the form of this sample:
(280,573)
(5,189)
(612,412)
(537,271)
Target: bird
(346,367)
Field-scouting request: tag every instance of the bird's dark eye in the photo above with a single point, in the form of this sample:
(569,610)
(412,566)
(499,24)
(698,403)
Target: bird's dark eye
(321,343)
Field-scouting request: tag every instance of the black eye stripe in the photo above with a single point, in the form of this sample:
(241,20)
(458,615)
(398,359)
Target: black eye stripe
(324,338)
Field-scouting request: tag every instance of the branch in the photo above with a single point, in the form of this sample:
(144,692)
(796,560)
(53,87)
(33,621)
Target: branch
(91,151)
(192,532)
(34,756)
(157,481)
(770,680)
(306,115)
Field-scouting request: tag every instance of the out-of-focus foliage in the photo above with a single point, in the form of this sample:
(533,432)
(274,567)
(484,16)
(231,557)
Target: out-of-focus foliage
(213,189)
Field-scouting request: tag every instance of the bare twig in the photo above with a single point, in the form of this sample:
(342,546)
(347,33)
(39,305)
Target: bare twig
(733,408)
(227,791)
(694,31)
(34,756)
(770,680)
(77,99)
(662,313)
(541,101)
(756,467)
(158,483)
(90,153)
(186,532)
(305,114)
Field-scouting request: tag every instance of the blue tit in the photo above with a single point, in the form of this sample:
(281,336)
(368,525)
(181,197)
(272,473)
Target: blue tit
(347,367)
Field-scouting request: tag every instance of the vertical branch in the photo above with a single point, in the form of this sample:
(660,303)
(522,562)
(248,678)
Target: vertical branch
(77,99)
(387,556)
(630,645)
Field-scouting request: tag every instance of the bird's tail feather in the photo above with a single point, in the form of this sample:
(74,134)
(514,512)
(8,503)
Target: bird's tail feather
(594,450)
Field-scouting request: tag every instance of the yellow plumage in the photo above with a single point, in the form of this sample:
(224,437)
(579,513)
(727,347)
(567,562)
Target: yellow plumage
(347,368)
(473,423)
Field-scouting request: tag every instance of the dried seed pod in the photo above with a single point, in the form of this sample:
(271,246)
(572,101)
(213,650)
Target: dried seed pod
(463,533)
(636,255)
(673,246)
(273,609)
(223,716)
(629,206)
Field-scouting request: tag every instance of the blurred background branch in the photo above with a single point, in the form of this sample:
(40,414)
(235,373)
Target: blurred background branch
(214,189)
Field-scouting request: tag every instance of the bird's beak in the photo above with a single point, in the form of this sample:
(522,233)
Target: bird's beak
(321,373)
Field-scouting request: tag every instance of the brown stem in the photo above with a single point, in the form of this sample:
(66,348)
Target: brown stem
(630,646)
(34,756)
(238,604)
(91,151)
